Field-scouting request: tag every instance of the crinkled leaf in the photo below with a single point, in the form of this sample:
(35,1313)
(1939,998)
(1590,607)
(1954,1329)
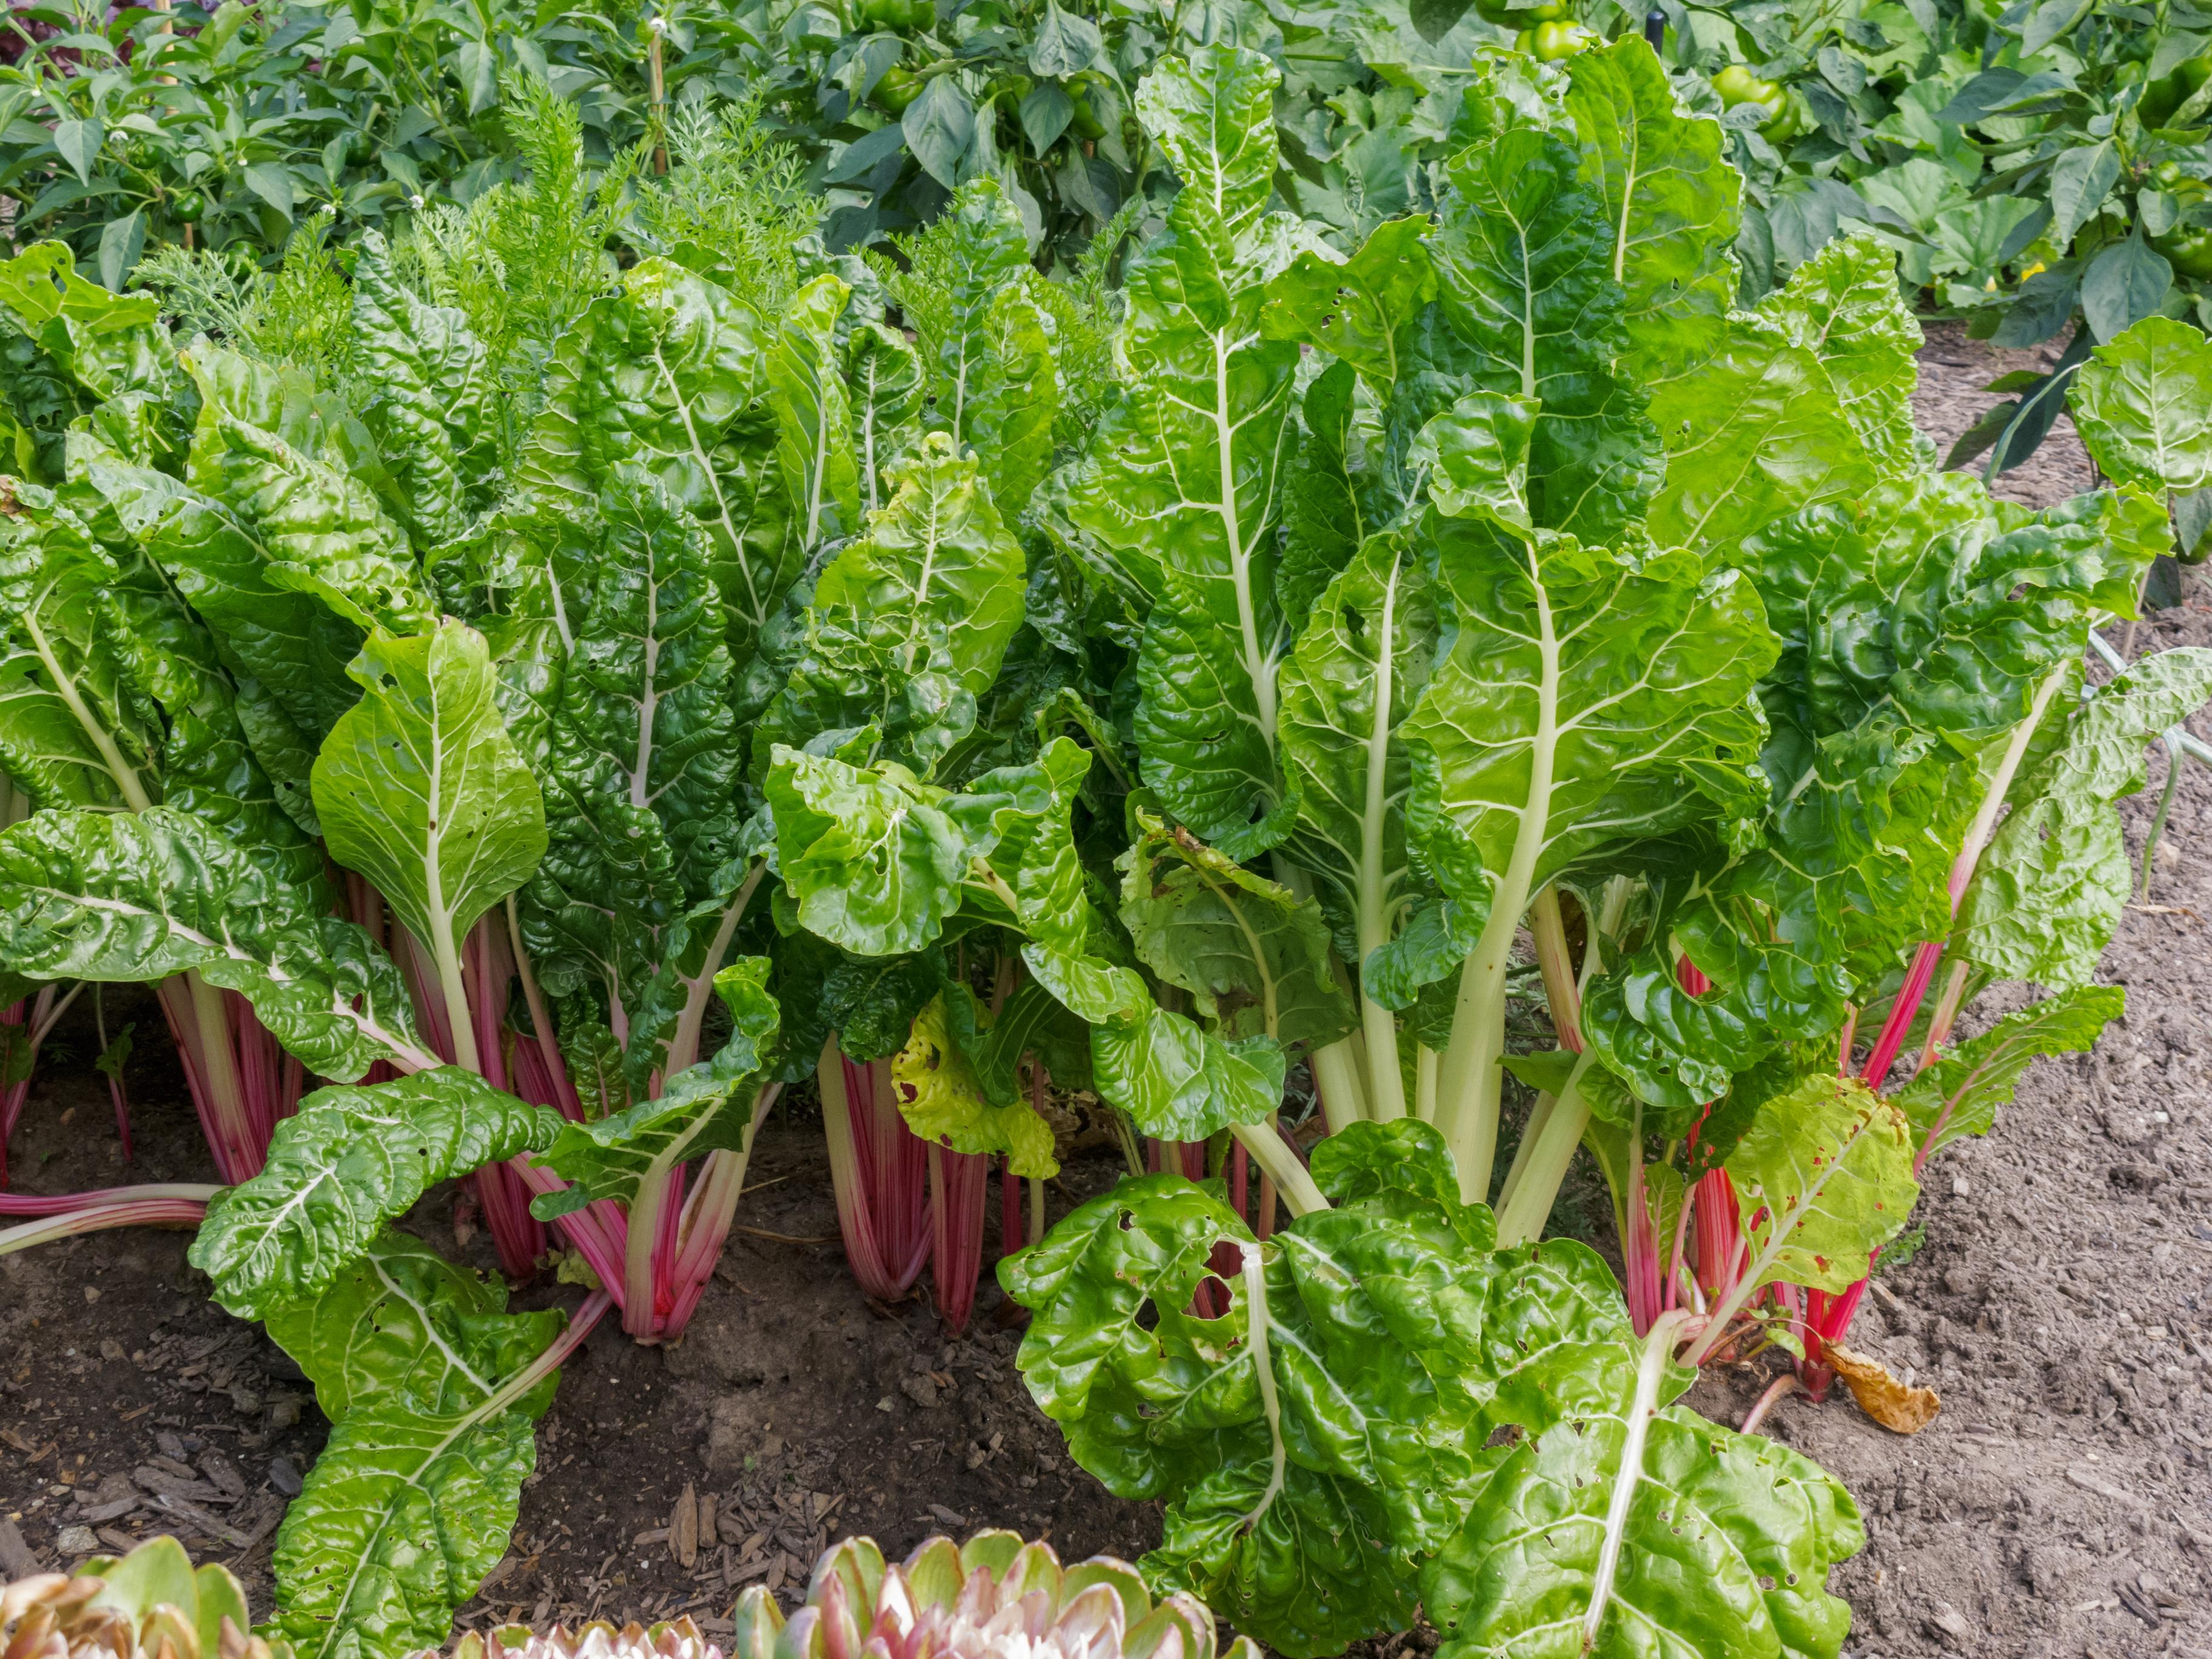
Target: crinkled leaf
(321,529)
(1959,1093)
(2052,886)
(1759,431)
(1253,956)
(1355,307)
(1175,1080)
(667,375)
(1848,311)
(404,1515)
(430,400)
(1184,477)
(421,789)
(401,1326)
(702,1108)
(885,376)
(1668,204)
(290,646)
(1726,1548)
(910,622)
(1360,667)
(351,1159)
(642,758)
(813,415)
(871,858)
(1587,701)
(942,1093)
(1523,256)
(126,898)
(1823,1178)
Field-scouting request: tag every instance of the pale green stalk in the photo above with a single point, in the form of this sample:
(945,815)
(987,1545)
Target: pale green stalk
(1256,1325)
(1280,1165)
(1549,1147)
(1650,1371)
(1385,1090)
(1468,1087)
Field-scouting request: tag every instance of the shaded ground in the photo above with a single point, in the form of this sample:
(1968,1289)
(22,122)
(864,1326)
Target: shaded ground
(2057,1507)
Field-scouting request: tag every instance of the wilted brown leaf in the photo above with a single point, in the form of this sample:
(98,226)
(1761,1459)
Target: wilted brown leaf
(1900,1408)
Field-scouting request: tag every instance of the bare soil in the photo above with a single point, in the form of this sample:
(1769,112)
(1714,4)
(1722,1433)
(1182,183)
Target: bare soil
(2057,1506)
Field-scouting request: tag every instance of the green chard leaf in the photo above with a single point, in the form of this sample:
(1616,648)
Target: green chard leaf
(672,376)
(401,1326)
(1356,308)
(125,897)
(1360,668)
(421,789)
(431,401)
(112,347)
(871,858)
(705,1107)
(1668,198)
(1919,626)
(909,622)
(1823,1178)
(1253,957)
(286,647)
(1959,1094)
(351,1159)
(1726,1549)
(1761,430)
(1371,1468)
(1523,255)
(257,452)
(433,1388)
(813,415)
(109,693)
(992,383)
(1586,700)
(885,376)
(1184,477)
(2056,878)
(642,760)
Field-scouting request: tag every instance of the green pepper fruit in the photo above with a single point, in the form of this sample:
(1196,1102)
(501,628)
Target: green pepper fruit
(1738,85)
(882,15)
(1085,121)
(895,88)
(2179,183)
(2162,97)
(187,207)
(1523,18)
(2188,249)
(1550,42)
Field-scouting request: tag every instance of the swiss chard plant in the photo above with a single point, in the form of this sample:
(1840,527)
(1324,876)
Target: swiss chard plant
(565,711)
(281,618)
(1503,576)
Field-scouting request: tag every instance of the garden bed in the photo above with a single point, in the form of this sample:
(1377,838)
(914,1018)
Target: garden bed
(2056,1506)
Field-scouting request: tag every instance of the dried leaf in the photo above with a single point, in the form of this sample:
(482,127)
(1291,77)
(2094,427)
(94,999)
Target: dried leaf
(683,1528)
(1899,1407)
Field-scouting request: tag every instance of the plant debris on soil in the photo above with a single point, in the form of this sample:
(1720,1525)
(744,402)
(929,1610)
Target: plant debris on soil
(2059,1504)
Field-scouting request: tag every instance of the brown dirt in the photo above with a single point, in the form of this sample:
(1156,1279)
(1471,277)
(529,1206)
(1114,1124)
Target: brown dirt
(2057,1506)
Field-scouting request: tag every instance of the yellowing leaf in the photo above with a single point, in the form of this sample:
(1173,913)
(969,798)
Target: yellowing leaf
(943,1101)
